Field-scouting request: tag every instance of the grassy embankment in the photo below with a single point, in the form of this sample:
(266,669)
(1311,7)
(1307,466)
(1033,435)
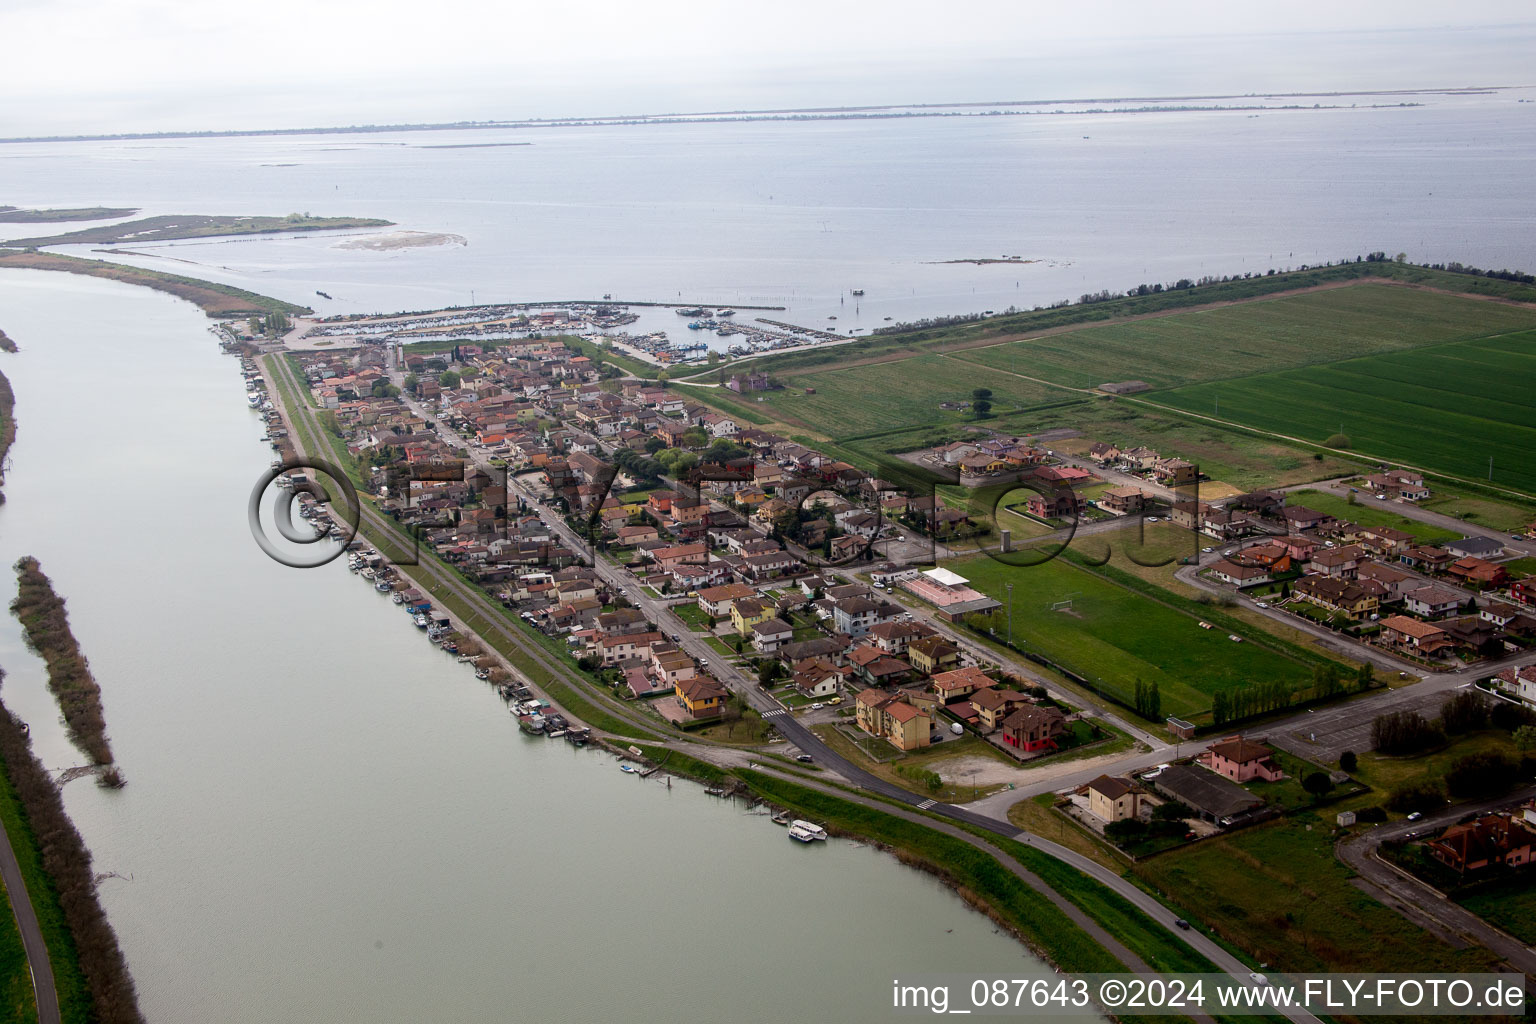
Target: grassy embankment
(40,610)
(217,300)
(14,215)
(7,427)
(90,973)
(165,228)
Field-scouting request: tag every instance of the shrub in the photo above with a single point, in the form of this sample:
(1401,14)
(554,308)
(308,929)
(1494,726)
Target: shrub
(1318,784)
(1337,441)
(1465,712)
(1416,796)
(1404,732)
(1348,762)
(1480,775)
(1373,814)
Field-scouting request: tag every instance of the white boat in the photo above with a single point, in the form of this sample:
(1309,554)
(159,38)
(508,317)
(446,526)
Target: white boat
(806,832)
(397,598)
(631,769)
(421,622)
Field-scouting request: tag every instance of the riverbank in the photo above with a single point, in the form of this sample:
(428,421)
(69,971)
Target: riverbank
(7,427)
(40,610)
(217,300)
(90,973)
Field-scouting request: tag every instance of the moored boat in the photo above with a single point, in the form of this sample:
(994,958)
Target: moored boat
(806,832)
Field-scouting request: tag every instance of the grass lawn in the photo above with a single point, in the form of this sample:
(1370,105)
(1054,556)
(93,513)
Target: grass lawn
(1340,508)
(1446,408)
(694,616)
(1498,515)
(857,400)
(1277,893)
(1520,567)
(1115,636)
(1387,773)
(1510,905)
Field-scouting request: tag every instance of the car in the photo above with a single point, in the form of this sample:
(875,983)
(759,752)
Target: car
(1261,604)
(1206,551)
(1234,638)
(1153,519)
(804,758)
(1381,497)
(1415,816)
(835,701)
(676,639)
(817,706)
(1516,536)
(1181,923)
(1258,979)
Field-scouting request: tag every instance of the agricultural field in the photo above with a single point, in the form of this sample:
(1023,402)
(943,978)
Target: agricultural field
(1445,409)
(1261,336)
(1115,636)
(1499,515)
(889,395)
(1340,508)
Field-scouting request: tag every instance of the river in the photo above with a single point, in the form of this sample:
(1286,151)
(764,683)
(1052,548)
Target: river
(327,818)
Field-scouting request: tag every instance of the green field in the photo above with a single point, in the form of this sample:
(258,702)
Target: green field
(1445,409)
(885,396)
(1255,337)
(1340,508)
(1115,636)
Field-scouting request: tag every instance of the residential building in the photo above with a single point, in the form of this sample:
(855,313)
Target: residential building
(1242,760)
(1033,728)
(1112,799)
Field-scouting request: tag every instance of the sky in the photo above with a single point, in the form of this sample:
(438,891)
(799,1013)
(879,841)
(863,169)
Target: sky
(95,66)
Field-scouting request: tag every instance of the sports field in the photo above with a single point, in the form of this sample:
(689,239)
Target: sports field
(1446,408)
(1255,337)
(1116,636)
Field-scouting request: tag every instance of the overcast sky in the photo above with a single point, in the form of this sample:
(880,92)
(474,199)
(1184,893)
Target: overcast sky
(149,65)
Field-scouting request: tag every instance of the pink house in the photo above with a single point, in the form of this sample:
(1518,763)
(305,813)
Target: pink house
(1242,760)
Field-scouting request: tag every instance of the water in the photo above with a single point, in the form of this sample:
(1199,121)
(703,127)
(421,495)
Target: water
(328,819)
(799,214)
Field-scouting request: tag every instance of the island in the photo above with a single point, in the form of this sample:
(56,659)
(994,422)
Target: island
(16,215)
(173,226)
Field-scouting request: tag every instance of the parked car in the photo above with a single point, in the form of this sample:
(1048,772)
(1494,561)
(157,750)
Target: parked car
(817,706)
(804,758)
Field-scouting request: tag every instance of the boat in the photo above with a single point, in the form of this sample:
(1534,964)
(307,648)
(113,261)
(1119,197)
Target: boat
(421,622)
(732,312)
(397,598)
(531,724)
(693,311)
(715,791)
(782,818)
(483,673)
(858,291)
(629,769)
(806,832)
(382,587)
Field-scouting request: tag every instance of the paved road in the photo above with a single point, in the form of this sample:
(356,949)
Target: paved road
(31,935)
(1417,900)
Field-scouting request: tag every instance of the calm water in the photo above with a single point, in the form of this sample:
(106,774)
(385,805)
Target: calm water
(326,818)
(800,214)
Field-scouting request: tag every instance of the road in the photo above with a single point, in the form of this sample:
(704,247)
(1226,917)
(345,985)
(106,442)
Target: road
(1417,900)
(31,934)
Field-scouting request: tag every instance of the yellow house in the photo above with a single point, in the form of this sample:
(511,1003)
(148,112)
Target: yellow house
(701,695)
(633,508)
(748,612)
(880,714)
(1112,799)
(751,496)
(933,654)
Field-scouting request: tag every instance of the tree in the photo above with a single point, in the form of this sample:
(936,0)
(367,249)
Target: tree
(982,408)
(1404,732)
(1172,810)
(411,382)
(448,379)
(1365,676)
(981,394)
(767,672)
(1480,775)
(1348,762)
(1525,738)
(1318,784)
(1125,832)
(1416,796)
(1463,713)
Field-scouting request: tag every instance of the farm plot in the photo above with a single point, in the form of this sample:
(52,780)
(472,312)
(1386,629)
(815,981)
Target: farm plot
(1447,409)
(1255,337)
